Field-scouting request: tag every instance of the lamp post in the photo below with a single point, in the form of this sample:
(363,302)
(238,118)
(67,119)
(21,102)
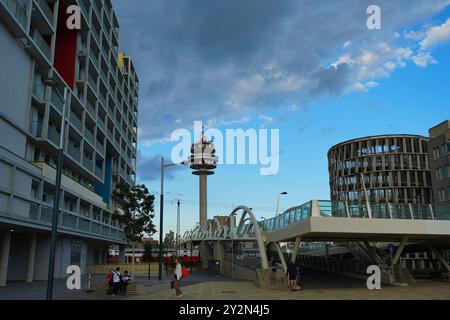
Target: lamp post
(54,234)
(232,230)
(278,202)
(161,213)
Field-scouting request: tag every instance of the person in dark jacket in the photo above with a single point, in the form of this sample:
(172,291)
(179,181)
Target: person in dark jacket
(292,274)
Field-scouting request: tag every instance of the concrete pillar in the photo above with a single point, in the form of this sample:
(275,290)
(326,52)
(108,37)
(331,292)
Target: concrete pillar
(203,202)
(295,249)
(205,254)
(31,258)
(4,256)
(121,254)
(280,254)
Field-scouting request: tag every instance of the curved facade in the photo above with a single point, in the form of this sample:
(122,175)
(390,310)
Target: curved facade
(390,168)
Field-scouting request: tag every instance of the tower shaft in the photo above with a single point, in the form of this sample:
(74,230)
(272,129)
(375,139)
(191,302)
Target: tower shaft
(203,194)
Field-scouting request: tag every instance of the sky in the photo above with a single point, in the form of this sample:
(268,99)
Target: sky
(310,69)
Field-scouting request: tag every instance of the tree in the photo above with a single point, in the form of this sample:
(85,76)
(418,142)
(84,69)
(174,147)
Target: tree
(138,210)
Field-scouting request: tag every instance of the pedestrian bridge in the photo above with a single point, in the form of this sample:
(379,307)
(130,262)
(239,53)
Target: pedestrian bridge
(319,220)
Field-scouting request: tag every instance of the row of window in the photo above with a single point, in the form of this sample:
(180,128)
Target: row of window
(443,172)
(444,194)
(406,161)
(381,145)
(441,151)
(401,195)
(403,178)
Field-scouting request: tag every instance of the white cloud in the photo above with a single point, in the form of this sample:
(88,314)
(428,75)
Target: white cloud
(436,35)
(423,59)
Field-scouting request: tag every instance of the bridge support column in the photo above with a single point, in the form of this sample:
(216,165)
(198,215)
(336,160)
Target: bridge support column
(295,249)
(399,250)
(280,254)
(440,257)
(372,253)
(205,254)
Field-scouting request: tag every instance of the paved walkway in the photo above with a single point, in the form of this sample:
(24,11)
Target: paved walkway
(317,286)
(209,287)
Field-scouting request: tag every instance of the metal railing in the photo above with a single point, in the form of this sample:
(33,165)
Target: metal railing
(74,152)
(40,43)
(53,135)
(89,136)
(76,121)
(57,101)
(90,109)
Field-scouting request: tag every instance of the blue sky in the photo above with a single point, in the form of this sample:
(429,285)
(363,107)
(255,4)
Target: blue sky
(356,83)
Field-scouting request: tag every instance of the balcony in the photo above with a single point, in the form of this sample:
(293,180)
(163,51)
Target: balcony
(91,110)
(103,100)
(94,59)
(97,10)
(43,5)
(84,9)
(89,136)
(100,147)
(101,124)
(18,12)
(74,152)
(93,83)
(88,163)
(57,101)
(36,128)
(95,34)
(53,135)
(40,43)
(99,172)
(76,121)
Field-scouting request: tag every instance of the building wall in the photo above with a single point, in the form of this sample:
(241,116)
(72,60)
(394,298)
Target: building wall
(102,109)
(440,162)
(391,168)
(15,75)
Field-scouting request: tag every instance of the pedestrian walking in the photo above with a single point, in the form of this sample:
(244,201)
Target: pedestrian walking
(178,274)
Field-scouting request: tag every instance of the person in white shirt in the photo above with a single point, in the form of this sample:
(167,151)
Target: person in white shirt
(117,278)
(178,274)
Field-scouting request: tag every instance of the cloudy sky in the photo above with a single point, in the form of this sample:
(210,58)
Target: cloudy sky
(311,69)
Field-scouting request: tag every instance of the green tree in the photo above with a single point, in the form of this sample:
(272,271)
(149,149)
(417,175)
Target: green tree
(138,210)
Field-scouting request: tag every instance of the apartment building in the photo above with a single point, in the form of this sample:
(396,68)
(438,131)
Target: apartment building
(440,162)
(40,58)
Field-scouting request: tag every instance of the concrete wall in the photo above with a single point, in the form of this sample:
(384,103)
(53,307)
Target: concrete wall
(239,272)
(15,66)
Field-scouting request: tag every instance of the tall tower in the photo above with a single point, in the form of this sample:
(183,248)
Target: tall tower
(203,161)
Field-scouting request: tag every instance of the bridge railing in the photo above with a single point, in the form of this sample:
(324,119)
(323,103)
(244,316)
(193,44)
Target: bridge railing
(341,209)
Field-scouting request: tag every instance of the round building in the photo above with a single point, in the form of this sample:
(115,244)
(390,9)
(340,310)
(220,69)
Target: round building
(388,168)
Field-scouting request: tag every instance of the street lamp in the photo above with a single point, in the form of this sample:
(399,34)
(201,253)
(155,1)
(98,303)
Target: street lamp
(54,234)
(161,213)
(278,202)
(232,229)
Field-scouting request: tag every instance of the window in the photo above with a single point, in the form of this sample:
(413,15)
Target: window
(442,195)
(436,154)
(442,173)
